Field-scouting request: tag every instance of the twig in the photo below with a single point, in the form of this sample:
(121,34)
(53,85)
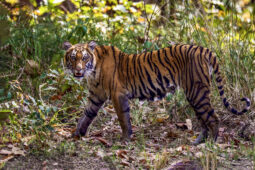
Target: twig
(22,71)
(8,75)
(40,92)
(147,29)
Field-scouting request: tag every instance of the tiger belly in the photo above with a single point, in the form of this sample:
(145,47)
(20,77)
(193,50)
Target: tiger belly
(159,94)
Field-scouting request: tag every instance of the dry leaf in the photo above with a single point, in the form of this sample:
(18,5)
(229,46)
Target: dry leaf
(32,67)
(103,141)
(5,159)
(131,159)
(181,125)
(5,152)
(55,164)
(56,97)
(44,163)
(198,154)
(225,145)
(125,163)
(185,164)
(110,109)
(64,133)
(14,151)
(98,133)
(121,153)
(161,118)
(179,149)
(100,153)
(26,140)
(171,134)
(142,161)
(18,151)
(189,124)
(221,131)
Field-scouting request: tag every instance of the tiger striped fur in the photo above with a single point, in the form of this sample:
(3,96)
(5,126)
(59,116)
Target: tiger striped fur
(115,75)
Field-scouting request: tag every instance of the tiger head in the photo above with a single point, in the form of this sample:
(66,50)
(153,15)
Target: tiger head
(80,58)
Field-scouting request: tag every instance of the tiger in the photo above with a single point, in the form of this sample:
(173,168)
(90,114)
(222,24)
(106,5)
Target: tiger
(117,76)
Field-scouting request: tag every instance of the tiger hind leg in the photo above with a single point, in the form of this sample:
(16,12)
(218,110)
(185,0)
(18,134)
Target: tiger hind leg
(200,101)
(203,135)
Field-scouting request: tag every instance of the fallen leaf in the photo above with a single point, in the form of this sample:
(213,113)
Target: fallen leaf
(56,97)
(171,134)
(64,132)
(27,140)
(7,158)
(224,145)
(44,168)
(131,159)
(44,163)
(179,149)
(103,141)
(161,118)
(189,124)
(98,133)
(185,164)
(55,164)
(181,125)
(221,131)
(18,151)
(121,153)
(32,68)
(142,161)
(5,152)
(198,154)
(100,153)
(110,109)
(125,163)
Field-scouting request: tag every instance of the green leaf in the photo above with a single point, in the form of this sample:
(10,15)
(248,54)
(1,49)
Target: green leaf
(4,114)
(1,92)
(43,75)
(50,88)
(9,95)
(84,28)
(49,127)
(156,47)
(147,45)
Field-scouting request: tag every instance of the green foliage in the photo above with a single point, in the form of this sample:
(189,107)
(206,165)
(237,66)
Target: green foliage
(46,112)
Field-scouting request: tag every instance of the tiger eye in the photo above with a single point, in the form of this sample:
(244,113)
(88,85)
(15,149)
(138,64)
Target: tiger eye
(84,58)
(73,57)
(172,88)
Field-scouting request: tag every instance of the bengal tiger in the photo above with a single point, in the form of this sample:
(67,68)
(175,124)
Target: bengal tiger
(117,76)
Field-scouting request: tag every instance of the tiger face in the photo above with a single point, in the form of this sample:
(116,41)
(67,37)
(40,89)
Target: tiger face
(79,58)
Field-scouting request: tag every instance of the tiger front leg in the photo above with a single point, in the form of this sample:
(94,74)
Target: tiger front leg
(121,106)
(90,112)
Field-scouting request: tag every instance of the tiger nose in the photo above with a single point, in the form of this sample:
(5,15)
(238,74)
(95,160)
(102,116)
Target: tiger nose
(78,67)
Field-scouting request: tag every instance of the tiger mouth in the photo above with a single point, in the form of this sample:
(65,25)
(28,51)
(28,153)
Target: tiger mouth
(79,75)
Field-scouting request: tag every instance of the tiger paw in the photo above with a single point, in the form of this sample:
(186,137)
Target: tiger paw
(125,139)
(78,134)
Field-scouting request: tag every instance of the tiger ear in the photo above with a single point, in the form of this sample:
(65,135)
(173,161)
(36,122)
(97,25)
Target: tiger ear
(67,45)
(92,45)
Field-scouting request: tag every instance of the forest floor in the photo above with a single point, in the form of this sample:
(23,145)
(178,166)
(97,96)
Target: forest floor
(160,144)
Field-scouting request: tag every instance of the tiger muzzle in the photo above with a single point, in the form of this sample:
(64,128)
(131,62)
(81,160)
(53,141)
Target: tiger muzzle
(79,73)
